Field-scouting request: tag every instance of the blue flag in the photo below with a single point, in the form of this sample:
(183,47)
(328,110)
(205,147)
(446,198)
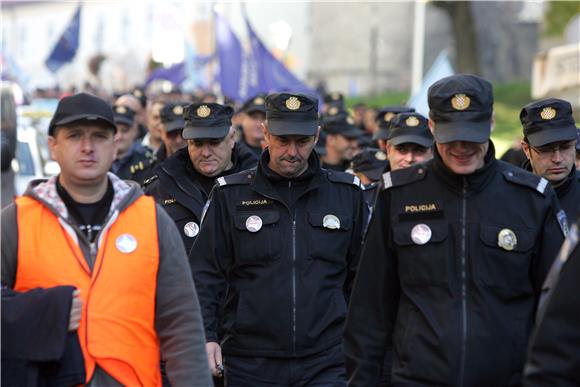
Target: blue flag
(441,68)
(66,48)
(272,75)
(237,76)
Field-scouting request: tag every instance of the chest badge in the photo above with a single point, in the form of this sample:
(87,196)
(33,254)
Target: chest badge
(253,223)
(506,239)
(421,234)
(331,222)
(126,243)
(191,229)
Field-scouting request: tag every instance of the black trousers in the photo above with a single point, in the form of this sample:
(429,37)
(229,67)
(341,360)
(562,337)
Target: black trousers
(322,369)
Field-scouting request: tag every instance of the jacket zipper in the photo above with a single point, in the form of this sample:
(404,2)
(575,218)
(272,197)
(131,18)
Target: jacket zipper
(293,271)
(463,283)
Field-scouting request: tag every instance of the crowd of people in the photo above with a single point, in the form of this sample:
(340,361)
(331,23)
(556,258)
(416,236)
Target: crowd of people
(288,241)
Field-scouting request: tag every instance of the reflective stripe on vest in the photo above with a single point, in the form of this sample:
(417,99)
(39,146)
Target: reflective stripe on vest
(117,329)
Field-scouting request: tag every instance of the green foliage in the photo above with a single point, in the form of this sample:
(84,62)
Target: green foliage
(558,15)
(509,100)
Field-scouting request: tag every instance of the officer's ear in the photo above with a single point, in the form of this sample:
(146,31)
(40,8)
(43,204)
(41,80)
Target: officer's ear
(266,132)
(317,135)
(432,126)
(492,120)
(231,137)
(526,149)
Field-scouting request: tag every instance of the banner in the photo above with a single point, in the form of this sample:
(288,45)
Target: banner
(67,45)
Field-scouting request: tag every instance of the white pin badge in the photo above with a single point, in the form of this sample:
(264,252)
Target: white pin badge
(421,234)
(506,239)
(191,229)
(331,221)
(254,223)
(126,243)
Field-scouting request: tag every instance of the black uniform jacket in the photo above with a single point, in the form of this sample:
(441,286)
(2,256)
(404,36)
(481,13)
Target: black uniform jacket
(176,186)
(282,270)
(554,357)
(568,192)
(134,165)
(450,275)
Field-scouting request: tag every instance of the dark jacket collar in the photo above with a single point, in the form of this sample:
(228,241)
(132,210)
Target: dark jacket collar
(474,182)
(266,178)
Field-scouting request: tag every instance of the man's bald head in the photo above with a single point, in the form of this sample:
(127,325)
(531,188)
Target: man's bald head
(130,101)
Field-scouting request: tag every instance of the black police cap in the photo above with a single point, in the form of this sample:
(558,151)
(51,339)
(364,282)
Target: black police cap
(255,104)
(342,124)
(371,162)
(207,121)
(292,114)
(410,128)
(548,120)
(386,114)
(82,107)
(123,115)
(334,97)
(171,116)
(461,107)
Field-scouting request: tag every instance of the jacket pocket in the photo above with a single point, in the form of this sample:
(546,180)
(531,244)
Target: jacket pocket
(329,235)
(505,259)
(257,239)
(427,263)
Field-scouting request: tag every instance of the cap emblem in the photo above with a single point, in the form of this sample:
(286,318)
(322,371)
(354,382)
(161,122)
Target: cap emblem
(412,121)
(349,120)
(380,156)
(293,103)
(137,93)
(258,101)
(121,109)
(332,111)
(389,116)
(178,110)
(335,96)
(460,102)
(203,111)
(548,113)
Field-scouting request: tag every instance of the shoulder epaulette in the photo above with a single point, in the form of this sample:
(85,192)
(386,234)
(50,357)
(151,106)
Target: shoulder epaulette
(137,167)
(527,179)
(150,180)
(244,177)
(403,176)
(343,177)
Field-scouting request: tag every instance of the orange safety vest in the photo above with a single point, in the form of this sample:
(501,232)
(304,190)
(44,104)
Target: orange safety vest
(117,328)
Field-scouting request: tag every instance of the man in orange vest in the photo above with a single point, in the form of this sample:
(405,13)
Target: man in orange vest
(89,229)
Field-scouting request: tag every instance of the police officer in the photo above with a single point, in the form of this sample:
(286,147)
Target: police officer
(182,183)
(277,250)
(253,115)
(409,141)
(554,355)
(341,139)
(454,258)
(383,120)
(368,165)
(549,144)
(132,157)
(172,124)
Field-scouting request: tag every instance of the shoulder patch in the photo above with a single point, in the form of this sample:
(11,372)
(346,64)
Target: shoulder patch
(403,176)
(343,177)
(150,180)
(244,177)
(527,179)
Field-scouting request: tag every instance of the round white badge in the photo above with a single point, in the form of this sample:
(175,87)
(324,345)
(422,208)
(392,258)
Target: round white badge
(191,229)
(331,221)
(126,243)
(254,223)
(421,234)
